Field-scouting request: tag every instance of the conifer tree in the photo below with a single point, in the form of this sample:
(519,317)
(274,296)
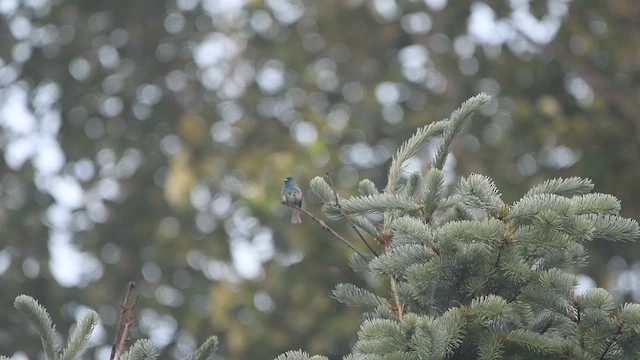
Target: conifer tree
(140,350)
(473,277)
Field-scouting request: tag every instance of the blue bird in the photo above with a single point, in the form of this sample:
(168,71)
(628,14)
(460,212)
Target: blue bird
(292,195)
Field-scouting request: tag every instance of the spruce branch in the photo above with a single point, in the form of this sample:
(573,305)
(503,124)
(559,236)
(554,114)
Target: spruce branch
(41,319)
(563,187)
(324,226)
(380,337)
(540,238)
(397,258)
(331,203)
(579,228)
(487,231)
(411,230)
(630,315)
(614,338)
(597,299)
(378,203)
(141,350)
(365,224)
(515,268)
(205,351)
(613,227)
(497,265)
(480,192)
(345,216)
(532,205)
(437,338)
(359,263)
(429,340)
(490,309)
(352,295)
(367,187)
(560,282)
(546,327)
(453,321)
(321,188)
(491,347)
(299,355)
(455,123)
(399,309)
(603,204)
(499,271)
(532,341)
(409,148)
(434,192)
(81,334)
(413,185)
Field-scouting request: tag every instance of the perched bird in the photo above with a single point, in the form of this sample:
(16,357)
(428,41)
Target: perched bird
(292,195)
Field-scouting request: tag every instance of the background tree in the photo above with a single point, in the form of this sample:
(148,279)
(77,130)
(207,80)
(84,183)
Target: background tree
(147,141)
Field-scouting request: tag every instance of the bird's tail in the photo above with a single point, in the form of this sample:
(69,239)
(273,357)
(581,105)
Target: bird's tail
(295,216)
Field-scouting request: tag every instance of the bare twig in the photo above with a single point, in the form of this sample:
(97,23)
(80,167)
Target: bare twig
(324,226)
(125,331)
(125,320)
(345,216)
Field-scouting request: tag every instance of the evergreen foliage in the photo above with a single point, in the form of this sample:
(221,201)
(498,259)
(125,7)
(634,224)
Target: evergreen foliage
(471,277)
(80,335)
(141,349)
(299,355)
(475,278)
(41,319)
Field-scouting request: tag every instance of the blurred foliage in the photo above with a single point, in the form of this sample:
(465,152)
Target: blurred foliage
(147,141)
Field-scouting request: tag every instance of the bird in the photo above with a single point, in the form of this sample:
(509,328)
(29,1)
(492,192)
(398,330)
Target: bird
(292,195)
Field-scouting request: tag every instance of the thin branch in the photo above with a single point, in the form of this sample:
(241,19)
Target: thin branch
(612,341)
(345,216)
(324,226)
(125,330)
(396,297)
(578,317)
(546,327)
(498,258)
(125,320)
